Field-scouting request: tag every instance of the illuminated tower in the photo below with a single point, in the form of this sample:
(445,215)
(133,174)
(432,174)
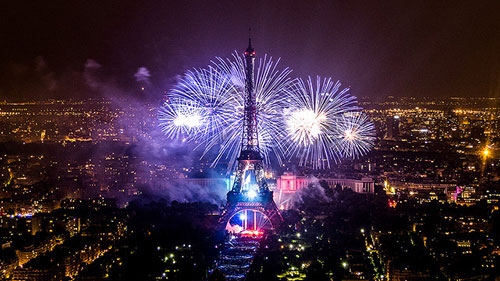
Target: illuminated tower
(250,196)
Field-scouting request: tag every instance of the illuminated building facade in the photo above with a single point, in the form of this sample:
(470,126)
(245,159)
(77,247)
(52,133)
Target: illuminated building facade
(292,183)
(40,270)
(287,185)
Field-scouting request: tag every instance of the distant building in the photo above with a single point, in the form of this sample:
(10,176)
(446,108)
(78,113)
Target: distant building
(404,274)
(477,133)
(292,183)
(288,184)
(392,132)
(30,252)
(41,269)
(7,266)
(159,185)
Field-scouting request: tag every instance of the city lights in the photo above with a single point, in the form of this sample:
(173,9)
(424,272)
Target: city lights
(130,151)
(406,173)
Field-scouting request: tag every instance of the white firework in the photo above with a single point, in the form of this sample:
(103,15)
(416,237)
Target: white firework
(311,121)
(356,134)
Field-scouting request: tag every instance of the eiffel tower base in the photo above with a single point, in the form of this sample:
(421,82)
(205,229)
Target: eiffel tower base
(236,202)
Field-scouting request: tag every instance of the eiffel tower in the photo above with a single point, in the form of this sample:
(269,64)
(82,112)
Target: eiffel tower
(250,193)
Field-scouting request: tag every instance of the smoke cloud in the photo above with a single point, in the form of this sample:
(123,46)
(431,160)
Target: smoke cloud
(47,77)
(92,64)
(142,75)
(185,192)
(311,195)
(148,149)
(89,73)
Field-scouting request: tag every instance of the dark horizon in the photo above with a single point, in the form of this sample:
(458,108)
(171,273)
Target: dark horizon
(79,49)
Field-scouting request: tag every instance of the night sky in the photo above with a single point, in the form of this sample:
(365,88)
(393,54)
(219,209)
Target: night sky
(380,48)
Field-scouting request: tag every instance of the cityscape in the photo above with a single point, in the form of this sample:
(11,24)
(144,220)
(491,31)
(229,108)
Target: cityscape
(81,194)
(128,155)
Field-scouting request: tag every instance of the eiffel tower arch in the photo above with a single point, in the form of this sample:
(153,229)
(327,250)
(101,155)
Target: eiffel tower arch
(250,193)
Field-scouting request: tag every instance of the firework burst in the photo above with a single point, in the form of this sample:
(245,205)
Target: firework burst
(199,106)
(316,121)
(217,95)
(271,85)
(180,120)
(356,134)
(314,108)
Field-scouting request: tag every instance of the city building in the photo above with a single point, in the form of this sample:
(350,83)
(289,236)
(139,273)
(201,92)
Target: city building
(288,185)
(392,132)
